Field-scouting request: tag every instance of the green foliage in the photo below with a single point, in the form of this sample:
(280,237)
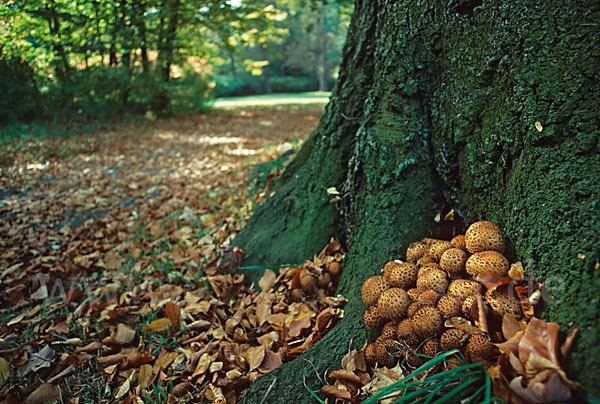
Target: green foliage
(19,96)
(291,84)
(226,85)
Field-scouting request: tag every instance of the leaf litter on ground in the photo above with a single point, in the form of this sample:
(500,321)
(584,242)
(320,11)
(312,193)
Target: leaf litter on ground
(115,264)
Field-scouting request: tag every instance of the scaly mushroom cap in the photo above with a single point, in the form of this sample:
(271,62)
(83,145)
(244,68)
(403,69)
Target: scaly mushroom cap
(405,333)
(428,298)
(413,293)
(452,338)
(426,267)
(412,309)
(464,287)
(372,318)
(487,261)
(416,250)
(373,288)
(434,279)
(459,242)
(427,321)
(449,306)
(453,261)
(371,355)
(437,249)
(384,350)
(411,359)
(400,275)
(484,236)
(431,348)
(479,346)
(502,304)
(389,330)
(425,259)
(392,303)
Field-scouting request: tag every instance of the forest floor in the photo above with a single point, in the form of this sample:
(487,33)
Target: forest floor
(111,254)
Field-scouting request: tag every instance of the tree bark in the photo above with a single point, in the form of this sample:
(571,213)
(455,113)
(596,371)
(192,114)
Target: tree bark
(436,108)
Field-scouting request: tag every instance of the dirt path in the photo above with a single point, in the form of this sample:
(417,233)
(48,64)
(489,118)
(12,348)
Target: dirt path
(95,216)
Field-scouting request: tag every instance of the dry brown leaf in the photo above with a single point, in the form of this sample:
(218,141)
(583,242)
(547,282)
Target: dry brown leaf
(271,360)
(296,326)
(214,394)
(125,334)
(516,271)
(162,324)
(267,281)
(510,326)
(346,376)
(164,362)
(45,394)
(145,375)
(173,313)
(91,347)
(354,360)
(336,392)
(204,363)
(113,260)
(4,370)
(255,356)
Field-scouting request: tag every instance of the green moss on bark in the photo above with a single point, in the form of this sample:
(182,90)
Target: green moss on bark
(504,67)
(437,105)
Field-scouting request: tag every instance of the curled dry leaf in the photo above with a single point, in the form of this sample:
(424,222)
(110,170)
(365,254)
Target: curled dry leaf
(346,376)
(516,271)
(173,313)
(336,392)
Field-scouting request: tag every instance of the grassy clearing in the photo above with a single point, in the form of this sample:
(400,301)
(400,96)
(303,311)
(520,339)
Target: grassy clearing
(313,97)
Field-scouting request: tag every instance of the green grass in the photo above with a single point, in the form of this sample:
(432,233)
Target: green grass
(313,97)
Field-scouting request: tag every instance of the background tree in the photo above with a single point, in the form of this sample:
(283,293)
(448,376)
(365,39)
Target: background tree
(435,108)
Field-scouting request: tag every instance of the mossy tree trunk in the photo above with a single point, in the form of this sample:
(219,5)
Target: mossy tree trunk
(436,108)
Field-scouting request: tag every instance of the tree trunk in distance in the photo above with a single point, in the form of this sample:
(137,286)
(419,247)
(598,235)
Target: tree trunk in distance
(487,107)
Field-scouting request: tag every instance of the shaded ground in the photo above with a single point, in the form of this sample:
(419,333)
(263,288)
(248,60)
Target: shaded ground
(105,229)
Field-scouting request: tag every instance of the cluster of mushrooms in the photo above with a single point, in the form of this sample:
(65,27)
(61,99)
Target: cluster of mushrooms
(418,303)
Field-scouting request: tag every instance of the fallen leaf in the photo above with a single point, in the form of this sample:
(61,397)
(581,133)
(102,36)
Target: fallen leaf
(125,334)
(164,361)
(162,324)
(41,293)
(296,326)
(4,370)
(516,271)
(113,260)
(267,281)
(204,363)
(145,375)
(255,356)
(173,313)
(271,360)
(45,394)
(336,392)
